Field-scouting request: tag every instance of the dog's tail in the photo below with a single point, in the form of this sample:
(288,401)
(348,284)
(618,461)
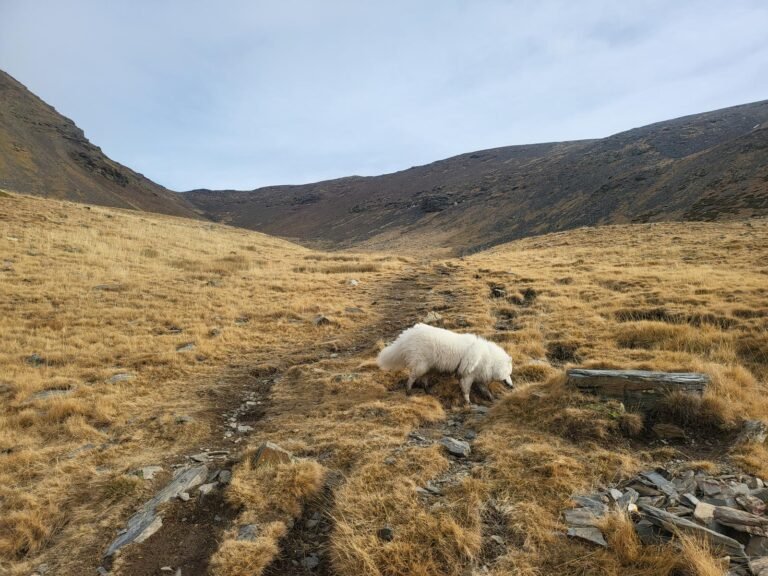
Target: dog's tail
(392,357)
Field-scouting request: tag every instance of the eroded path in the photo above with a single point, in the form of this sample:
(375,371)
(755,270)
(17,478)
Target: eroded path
(257,403)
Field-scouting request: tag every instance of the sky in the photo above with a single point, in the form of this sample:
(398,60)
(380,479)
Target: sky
(241,94)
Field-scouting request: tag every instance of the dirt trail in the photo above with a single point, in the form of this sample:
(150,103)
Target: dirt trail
(191,530)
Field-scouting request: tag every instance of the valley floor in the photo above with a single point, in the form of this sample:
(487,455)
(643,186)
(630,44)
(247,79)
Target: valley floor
(132,340)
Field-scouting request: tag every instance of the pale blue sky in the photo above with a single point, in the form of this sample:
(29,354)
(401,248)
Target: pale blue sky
(240,94)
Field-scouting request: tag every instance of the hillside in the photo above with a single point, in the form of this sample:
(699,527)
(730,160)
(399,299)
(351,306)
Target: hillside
(703,167)
(136,346)
(46,154)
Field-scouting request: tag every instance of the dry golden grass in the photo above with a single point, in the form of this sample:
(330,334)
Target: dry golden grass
(97,292)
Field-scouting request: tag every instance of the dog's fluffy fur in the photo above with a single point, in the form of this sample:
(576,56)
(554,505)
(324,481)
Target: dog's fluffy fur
(422,348)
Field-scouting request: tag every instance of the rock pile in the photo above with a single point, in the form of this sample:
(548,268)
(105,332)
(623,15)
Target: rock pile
(726,510)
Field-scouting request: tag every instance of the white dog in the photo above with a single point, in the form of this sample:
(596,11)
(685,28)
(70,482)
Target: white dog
(423,348)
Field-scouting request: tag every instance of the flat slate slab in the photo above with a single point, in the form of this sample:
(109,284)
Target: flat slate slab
(145,522)
(675,524)
(636,388)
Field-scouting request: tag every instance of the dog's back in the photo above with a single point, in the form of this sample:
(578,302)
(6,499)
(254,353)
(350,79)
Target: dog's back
(426,347)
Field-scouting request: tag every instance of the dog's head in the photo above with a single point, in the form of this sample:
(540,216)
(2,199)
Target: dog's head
(502,366)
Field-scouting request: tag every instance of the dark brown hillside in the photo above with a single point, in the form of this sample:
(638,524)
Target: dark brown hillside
(702,167)
(46,154)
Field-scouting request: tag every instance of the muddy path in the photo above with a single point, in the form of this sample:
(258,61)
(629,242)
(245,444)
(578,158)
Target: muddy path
(192,530)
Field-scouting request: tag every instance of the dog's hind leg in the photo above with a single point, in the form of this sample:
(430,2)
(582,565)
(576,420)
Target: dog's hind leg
(414,374)
(466,386)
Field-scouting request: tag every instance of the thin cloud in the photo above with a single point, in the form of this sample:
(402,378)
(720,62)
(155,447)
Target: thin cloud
(255,93)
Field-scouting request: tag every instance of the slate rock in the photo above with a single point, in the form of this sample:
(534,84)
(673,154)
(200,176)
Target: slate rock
(498,292)
(51,393)
(120,377)
(248,532)
(206,489)
(269,454)
(149,472)
(145,522)
(751,504)
(311,562)
(759,566)
(35,360)
(456,447)
(673,524)
(758,546)
(704,513)
(589,534)
(649,533)
(668,431)
(742,521)
(689,499)
(630,496)
(753,432)
(664,485)
(755,483)
(187,347)
(386,533)
(709,487)
(597,507)
(761,493)
(580,517)
(432,317)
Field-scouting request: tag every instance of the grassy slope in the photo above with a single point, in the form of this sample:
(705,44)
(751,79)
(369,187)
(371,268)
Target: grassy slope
(665,296)
(95,292)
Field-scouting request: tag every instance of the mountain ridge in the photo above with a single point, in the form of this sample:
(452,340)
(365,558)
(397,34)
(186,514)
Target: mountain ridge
(46,154)
(668,170)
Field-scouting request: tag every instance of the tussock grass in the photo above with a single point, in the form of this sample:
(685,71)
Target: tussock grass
(95,292)
(349,268)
